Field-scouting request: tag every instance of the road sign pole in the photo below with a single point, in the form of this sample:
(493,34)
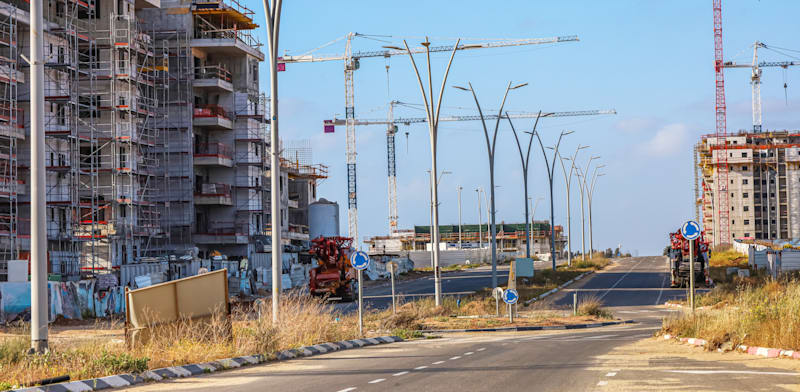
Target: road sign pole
(574,303)
(360,306)
(510,314)
(394,302)
(691,274)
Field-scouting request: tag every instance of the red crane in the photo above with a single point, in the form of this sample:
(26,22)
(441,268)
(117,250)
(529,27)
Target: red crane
(723,234)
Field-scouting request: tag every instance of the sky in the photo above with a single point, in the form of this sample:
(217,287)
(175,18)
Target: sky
(651,61)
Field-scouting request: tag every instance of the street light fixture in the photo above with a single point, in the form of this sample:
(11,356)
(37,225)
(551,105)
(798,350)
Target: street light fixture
(490,148)
(433,112)
(550,168)
(590,195)
(525,159)
(568,182)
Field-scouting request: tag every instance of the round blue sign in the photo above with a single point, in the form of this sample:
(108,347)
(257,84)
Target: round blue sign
(690,230)
(510,296)
(359,260)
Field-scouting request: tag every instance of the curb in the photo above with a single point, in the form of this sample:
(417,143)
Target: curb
(555,290)
(124,380)
(765,352)
(532,328)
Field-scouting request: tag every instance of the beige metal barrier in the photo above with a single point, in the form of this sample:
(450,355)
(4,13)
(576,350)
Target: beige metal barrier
(193,298)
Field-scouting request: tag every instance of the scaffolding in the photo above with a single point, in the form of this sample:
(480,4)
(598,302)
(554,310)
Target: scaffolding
(10,133)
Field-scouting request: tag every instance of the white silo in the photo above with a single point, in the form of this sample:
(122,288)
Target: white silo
(323,218)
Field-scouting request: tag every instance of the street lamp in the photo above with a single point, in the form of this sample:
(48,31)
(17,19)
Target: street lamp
(490,148)
(568,182)
(550,168)
(433,112)
(480,226)
(435,260)
(525,159)
(590,194)
(273,17)
(582,186)
(533,215)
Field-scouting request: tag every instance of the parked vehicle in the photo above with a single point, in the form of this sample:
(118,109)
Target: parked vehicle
(333,277)
(679,261)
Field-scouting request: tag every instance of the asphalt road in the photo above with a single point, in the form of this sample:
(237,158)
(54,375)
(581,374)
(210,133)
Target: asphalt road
(563,361)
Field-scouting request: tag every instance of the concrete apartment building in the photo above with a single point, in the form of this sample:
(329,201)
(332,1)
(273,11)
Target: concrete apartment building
(156,135)
(763,185)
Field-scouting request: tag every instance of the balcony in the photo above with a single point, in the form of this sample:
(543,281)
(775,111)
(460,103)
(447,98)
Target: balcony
(214,77)
(222,232)
(213,154)
(230,42)
(212,117)
(213,195)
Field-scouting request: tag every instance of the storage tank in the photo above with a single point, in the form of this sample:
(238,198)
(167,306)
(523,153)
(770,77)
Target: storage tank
(323,218)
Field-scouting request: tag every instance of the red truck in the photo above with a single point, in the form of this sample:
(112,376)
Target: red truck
(333,277)
(679,260)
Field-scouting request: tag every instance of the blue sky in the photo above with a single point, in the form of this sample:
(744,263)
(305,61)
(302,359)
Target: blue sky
(652,61)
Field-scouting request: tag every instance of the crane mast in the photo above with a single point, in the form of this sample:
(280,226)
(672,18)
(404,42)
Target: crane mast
(351,63)
(723,234)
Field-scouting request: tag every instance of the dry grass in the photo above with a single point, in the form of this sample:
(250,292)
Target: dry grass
(304,321)
(596,262)
(727,258)
(593,306)
(766,315)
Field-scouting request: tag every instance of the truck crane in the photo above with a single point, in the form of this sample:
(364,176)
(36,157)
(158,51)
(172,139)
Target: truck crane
(352,62)
(391,130)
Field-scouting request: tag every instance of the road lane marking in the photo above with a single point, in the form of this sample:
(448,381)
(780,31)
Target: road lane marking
(601,383)
(456,357)
(661,292)
(420,367)
(348,389)
(599,336)
(469,353)
(377,380)
(611,374)
(400,374)
(482,348)
(620,280)
(438,363)
(732,372)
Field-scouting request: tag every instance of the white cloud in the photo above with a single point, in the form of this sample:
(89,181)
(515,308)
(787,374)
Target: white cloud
(635,124)
(669,140)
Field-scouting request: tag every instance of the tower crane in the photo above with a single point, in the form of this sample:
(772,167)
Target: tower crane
(391,130)
(723,236)
(352,62)
(755,78)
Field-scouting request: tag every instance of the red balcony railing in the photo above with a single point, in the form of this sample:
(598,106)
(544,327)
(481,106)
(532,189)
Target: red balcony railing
(213,149)
(210,111)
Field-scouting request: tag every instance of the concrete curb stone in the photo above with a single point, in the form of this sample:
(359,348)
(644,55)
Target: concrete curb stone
(765,352)
(125,380)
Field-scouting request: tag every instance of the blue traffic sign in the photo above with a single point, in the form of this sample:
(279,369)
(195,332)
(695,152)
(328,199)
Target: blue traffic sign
(359,260)
(510,296)
(690,230)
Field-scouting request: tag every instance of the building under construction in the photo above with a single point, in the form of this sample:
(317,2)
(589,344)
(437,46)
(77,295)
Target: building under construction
(156,135)
(763,185)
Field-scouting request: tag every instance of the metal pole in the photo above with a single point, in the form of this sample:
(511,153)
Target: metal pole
(691,274)
(433,123)
(510,314)
(38,188)
(480,225)
(430,198)
(459,217)
(591,196)
(394,301)
(273,17)
(583,220)
(550,171)
(525,159)
(574,303)
(360,306)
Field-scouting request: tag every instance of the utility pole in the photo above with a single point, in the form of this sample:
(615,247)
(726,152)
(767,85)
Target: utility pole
(480,225)
(550,168)
(525,159)
(433,112)
(39,305)
(490,147)
(568,182)
(273,17)
(459,217)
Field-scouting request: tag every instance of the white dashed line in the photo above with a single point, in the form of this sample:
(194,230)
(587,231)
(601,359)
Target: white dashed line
(601,383)
(400,374)
(612,374)
(482,348)
(456,357)
(469,353)
(348,389)
(377,380)
(438,363)
(420,367)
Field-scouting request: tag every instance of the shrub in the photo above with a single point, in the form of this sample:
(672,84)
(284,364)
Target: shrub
(593,306)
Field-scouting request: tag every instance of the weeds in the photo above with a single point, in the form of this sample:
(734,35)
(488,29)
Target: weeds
(593,306)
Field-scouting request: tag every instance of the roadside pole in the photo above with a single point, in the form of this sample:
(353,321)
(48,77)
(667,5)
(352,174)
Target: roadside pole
(691,274)
(360,261)
(574,303)
(394,302)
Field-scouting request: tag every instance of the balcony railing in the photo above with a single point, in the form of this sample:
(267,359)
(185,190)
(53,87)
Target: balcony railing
(210,111)
(211,149)
(224,228)
(213,189)
(212,72)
